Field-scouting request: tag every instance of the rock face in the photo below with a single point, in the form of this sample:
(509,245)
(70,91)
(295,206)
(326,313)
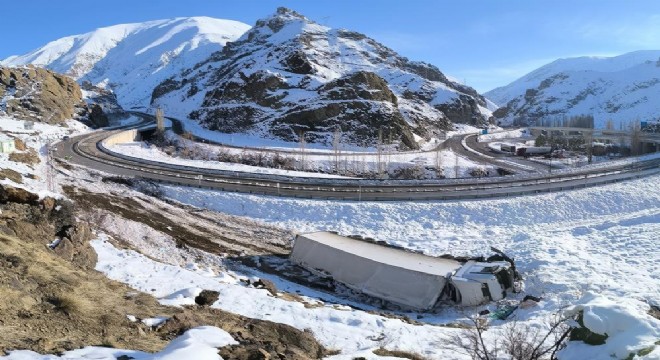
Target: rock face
(622,89)
(31,93)
(23,215)
(288,75)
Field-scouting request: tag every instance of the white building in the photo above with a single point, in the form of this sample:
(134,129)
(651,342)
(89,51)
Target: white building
(7,145)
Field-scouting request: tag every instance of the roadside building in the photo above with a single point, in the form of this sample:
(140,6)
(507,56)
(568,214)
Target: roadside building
(7,145)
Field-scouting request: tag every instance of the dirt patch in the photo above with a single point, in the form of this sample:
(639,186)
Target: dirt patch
(211,232)
(51,299)
(49,305)
(398,354)
(12,175)
(258,339)
(20,144)
(29,157)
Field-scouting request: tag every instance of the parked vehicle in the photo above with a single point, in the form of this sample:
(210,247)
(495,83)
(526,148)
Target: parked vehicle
(409,279)
(533,150)
(508,148)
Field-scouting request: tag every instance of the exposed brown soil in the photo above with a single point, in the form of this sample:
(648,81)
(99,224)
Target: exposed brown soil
(51,300)
(398,354)
(256,337)
(49,305)
(29,157)
(12,175)
(212,232)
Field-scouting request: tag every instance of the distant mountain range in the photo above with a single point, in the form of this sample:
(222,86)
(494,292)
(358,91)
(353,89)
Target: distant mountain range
(623,89)
(282,77)
(288,75)
(132,59)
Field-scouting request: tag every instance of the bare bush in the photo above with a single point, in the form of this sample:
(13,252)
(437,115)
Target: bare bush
(410,172)
(478,172)
(517,340)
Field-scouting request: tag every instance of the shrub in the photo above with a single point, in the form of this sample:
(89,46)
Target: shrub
(66,303)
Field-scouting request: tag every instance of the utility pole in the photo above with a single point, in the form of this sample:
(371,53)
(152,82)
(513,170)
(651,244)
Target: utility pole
(50,180)
(302,150)
(336,144)
(160,120)
(379,151)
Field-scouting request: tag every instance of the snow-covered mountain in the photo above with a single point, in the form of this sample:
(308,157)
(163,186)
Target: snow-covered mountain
(289,74)
(131,59)
(623,88)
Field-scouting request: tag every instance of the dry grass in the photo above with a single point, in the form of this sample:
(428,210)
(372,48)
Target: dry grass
(396,353)
(11,175)
(69,304)
(29,157)
(48,305)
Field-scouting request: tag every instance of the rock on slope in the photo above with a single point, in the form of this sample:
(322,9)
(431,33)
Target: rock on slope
(30,93)
(621,88)
(288,74)
(131,59)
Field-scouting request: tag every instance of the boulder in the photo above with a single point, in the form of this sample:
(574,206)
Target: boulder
(207,297)
(17,195)
(266,284)
(97,116)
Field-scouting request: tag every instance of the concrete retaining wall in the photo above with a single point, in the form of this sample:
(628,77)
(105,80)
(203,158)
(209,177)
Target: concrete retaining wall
(123,137)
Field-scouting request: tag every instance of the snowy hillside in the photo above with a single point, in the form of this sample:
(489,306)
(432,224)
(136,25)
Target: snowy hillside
(621,88)
(289,74)
(131,59)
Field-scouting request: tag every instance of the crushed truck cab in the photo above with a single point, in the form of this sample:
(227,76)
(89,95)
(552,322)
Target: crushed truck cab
(409,279)
(479,282)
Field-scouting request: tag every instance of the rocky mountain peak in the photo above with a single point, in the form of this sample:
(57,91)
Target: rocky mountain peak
(289,75)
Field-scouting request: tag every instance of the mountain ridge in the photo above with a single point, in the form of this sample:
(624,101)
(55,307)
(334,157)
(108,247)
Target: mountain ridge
(289,74)
(619,88)
(131,59)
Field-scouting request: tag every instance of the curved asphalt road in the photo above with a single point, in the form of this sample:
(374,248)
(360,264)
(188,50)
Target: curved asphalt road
(87,150)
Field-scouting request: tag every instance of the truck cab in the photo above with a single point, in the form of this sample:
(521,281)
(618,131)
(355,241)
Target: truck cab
(476,283)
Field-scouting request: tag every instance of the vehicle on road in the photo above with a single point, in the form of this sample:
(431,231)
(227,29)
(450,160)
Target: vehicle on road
(533,150)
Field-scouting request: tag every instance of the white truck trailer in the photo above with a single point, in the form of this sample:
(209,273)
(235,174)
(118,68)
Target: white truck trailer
(409,279)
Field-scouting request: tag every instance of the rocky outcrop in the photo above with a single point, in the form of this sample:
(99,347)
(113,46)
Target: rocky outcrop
(97,116)
(31,93)
(25,216)
(289,75)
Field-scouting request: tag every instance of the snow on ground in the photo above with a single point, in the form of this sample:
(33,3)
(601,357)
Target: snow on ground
(144,151)
(344,329)
(601,240)
(506,134)
(452,164)
(567,245)
(200,343)
(608,235)
(619,322)
(37,138)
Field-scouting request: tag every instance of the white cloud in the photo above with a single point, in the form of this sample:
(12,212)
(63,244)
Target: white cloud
(631,32)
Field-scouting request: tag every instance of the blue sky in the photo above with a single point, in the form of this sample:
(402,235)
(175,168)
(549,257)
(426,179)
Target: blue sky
(485,43)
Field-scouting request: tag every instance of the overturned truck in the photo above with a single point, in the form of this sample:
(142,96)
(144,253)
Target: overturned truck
(409,279)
